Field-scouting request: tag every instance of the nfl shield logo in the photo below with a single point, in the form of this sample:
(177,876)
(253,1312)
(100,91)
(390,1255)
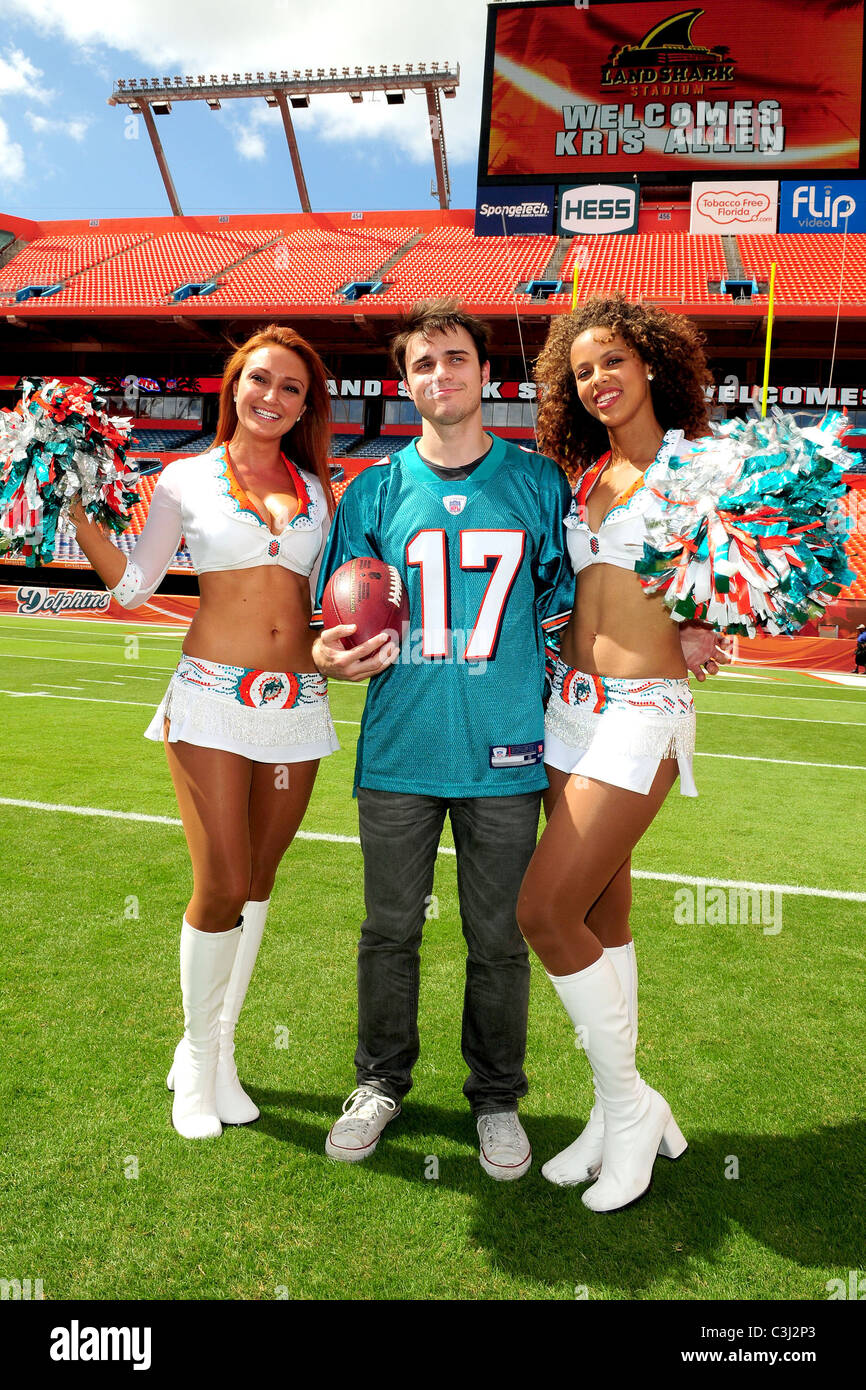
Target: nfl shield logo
(454,505)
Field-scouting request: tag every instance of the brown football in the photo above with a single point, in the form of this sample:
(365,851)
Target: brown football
(369,593)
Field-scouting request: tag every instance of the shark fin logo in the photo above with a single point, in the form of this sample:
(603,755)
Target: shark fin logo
(667,54)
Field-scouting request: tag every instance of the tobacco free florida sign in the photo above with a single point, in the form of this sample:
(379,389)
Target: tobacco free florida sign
(731,206)
(595,208)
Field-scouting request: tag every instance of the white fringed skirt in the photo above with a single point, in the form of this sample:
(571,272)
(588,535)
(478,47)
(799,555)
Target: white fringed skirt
(267,716)
(618,731)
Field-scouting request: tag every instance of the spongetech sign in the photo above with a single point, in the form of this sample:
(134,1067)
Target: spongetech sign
(521,210)
(595,208)
(729,207)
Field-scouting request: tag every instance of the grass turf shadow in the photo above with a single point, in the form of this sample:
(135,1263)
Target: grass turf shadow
(802,1196)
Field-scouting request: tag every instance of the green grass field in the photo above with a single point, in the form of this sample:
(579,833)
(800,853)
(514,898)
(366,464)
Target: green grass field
(754,1033)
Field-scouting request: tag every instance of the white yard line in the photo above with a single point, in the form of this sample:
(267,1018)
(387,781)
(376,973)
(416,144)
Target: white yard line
(784,762)
(775,695)
(722,713)
(80,699)
(89,661)
(776,680)
(151,629)
(65,641)
(704,713)
(785,719)
(793,888)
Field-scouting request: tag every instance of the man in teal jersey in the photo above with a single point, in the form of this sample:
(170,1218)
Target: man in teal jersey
(453,724)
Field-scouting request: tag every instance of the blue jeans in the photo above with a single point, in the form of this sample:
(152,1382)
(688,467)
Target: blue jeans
(495,837)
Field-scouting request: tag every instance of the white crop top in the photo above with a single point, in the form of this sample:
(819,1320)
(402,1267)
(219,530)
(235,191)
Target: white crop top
(620,537)
(201,499)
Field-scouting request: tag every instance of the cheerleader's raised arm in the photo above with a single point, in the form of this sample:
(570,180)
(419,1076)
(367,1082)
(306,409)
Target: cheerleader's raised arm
(132,582)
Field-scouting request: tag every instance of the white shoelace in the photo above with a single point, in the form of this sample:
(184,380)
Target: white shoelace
(503,1131)
(363,1104)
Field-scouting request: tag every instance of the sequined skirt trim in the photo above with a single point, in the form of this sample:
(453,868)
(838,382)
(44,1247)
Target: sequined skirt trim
(268,716)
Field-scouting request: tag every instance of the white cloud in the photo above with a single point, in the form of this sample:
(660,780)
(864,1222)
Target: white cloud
(76,128)
(19,77)
(249,144)
(11,158)
(161,37)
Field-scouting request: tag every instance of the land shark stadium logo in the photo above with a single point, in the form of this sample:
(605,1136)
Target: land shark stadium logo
(667,54)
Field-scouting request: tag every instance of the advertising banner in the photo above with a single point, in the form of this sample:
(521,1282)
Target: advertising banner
(34,600)
(823,207)
(524,210)
(600,207)
(619,86)
(730,206)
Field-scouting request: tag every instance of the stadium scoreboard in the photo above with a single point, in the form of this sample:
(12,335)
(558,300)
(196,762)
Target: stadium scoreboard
(659,93)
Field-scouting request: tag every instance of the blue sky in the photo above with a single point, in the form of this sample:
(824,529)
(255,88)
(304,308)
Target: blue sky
(65,153)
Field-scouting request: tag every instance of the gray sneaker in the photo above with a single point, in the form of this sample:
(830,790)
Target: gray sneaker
(505,1150)
(355,1135)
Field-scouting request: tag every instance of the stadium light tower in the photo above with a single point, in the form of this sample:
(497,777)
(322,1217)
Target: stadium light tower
(284,90)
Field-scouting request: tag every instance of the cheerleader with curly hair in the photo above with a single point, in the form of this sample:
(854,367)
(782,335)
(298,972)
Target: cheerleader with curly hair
(736,524)
(622,386)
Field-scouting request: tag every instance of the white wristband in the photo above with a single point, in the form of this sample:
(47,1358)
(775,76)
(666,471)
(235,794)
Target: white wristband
(130,586)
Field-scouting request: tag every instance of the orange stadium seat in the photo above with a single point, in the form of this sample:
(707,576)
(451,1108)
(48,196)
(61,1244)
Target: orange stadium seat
(855,546)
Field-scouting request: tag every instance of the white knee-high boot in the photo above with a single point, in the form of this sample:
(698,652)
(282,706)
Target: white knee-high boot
(581,1161)
(206,960)
(234,1106)
(637,1120)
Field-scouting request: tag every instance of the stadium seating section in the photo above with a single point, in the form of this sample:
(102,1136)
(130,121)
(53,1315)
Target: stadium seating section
(163,441)
(302,262)
(452,260)
(147,272)
(50,259)
(668,268)
(307,267)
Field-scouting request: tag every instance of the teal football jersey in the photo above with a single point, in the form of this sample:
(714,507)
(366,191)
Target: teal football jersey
(486,569)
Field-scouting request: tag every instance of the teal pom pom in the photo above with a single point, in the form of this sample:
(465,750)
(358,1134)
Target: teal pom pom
(745,532)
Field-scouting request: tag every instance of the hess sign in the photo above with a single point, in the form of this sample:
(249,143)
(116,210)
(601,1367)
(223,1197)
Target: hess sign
(596,208)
